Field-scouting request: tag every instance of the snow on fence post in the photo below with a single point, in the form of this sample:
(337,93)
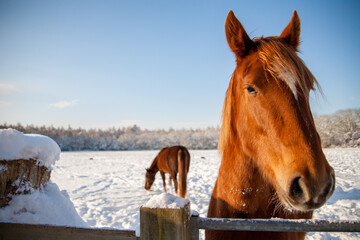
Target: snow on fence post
(25,162)
(165,217)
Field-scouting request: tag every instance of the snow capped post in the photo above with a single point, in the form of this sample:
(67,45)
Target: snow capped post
(25,162)
(165,216)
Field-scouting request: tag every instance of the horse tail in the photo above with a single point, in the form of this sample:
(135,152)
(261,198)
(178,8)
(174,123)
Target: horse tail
(183,167)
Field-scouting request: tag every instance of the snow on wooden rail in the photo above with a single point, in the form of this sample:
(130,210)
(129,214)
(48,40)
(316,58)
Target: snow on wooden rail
(272,225)
(277,225)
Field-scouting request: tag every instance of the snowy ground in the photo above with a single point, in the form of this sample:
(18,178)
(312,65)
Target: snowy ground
(107,188)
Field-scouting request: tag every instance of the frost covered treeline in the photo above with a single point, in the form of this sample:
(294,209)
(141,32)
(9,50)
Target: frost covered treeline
(341,129)
(129,138)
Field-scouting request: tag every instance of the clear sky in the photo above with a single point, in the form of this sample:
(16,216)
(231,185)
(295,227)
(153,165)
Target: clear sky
(157,64)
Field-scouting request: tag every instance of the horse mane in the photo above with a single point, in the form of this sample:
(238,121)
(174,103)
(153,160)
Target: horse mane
(153,167)
(282,63)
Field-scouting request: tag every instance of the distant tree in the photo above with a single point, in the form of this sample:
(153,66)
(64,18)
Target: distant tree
(341,129)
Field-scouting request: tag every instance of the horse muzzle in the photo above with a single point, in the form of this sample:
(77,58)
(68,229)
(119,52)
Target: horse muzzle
(305,195)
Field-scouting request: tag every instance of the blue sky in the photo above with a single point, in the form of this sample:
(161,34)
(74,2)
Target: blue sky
(157,64)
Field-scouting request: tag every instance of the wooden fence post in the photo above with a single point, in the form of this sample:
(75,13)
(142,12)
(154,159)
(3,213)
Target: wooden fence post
(165,223)
(195,226)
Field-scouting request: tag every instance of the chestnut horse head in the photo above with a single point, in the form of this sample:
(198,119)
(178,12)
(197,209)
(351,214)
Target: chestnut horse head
(267,124)
(267,116)
(149,178)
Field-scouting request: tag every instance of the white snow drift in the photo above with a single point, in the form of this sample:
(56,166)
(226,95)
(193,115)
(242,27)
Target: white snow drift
(15,145)
(47,205)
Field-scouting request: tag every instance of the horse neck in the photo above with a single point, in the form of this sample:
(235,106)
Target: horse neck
(242,170)
(242,186)
(154,166)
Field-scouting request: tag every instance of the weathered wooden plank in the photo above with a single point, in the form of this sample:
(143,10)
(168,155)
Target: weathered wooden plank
(12,231)
(162,223)
(278,225)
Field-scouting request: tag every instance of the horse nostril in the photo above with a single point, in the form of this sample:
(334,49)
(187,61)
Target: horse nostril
(296,191)
(329,188)
(332,181)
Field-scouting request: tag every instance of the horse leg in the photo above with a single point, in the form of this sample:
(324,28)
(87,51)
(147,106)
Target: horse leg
(163,178)
(170,183)
(175,184)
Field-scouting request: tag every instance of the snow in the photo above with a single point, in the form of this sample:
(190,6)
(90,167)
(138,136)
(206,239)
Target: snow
(48,205)
(107,190)
(166,200)
(15,145)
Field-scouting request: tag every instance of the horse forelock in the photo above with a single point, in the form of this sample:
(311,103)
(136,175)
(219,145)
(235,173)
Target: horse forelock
(282,62)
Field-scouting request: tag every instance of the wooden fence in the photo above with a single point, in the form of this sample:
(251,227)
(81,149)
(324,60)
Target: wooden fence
(14,231)
(160,220)
(174,224)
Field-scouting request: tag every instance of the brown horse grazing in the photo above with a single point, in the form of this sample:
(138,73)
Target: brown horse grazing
(171,160)
(272,163)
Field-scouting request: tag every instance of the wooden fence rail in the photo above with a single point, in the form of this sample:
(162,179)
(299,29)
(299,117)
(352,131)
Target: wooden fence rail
(281,225)
(15,231)
(272,225)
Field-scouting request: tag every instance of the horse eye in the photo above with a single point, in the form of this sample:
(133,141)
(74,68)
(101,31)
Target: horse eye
(251,90)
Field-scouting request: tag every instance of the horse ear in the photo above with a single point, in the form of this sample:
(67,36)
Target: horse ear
(237,38)
(291,34)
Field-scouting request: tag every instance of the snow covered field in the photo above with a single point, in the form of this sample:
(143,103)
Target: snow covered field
(107,188)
